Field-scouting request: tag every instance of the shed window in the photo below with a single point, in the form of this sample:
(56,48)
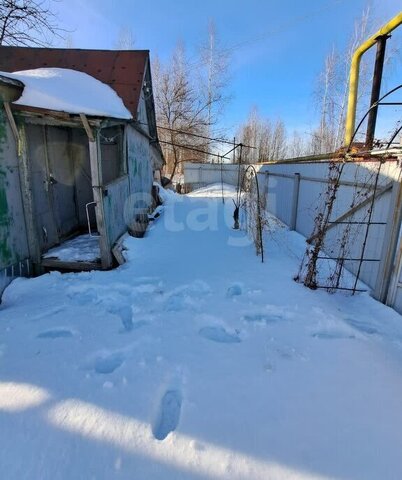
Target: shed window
(112,153)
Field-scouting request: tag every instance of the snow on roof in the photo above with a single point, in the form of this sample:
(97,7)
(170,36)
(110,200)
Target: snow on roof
(70,91)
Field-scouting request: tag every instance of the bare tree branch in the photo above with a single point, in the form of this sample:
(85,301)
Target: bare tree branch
(28,23)
(187,100)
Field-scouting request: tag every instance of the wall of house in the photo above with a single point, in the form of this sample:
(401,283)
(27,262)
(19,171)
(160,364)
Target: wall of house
(139,169)
(129,198)
(13,240)
(116,197)
(157,160)
(142,117)
(116,189)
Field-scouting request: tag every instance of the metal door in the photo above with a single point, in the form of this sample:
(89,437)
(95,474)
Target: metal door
(41,191)
(62,179)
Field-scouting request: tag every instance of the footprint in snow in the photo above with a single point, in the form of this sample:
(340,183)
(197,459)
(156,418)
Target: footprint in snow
(219,334)
(275,349)
(109,363)
(56,333)
(234,290)
(168,415)
(125,313)
(362,326)
(187,297)
(262,318)
(49,313)
(332,336)
(197,288)
(85,297)
(178,302)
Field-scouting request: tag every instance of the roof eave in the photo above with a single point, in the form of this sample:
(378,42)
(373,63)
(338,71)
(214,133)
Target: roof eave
(65,117)
(10,89)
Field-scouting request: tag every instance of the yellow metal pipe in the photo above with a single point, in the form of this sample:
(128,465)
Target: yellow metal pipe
(354,74)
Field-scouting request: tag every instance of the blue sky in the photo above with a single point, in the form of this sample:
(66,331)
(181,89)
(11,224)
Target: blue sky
(281,44)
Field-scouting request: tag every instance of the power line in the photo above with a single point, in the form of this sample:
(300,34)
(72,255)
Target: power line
(188,147)
(182,132)
(218,140)
(284,25)
(294,20)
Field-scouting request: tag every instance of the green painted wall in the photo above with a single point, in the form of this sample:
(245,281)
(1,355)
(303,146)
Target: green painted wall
(6,254)
(13,242)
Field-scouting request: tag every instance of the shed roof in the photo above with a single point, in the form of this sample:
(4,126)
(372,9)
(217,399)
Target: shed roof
(123,70)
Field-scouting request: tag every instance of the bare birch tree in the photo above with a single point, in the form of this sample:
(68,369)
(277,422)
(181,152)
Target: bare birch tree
(28,23)
(69,41)
(189,98)
(179,111)
(296,146)
(332,90)
(268,137)
(213,78)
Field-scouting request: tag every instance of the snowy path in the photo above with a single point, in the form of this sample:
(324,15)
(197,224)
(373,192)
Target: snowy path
(196,361)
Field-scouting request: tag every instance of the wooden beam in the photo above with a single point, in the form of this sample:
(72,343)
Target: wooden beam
(87,127)
(13,125)
(54,263)
(96,175)
(27,200)
(118,249)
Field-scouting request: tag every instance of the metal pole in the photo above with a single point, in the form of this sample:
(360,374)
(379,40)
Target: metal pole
(236,225)
(234,149)
(295,201)
(223,197)
(354,74)
(261,239)
(382,291)
(376,89)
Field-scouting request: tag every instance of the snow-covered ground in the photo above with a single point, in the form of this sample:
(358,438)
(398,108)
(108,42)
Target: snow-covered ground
(196,361)
(84,248)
